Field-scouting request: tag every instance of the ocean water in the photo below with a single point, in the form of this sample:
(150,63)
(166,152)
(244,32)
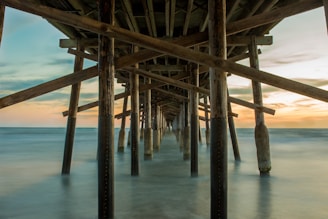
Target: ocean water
(31,185)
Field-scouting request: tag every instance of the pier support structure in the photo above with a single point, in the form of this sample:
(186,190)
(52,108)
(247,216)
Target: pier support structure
(233,134)
(194,120)
(156,133)
(207,124)
(106,115)
(218,95)
(72,113)
(186,130)
(135,118)
(261,131)
(148,132)
(121,137)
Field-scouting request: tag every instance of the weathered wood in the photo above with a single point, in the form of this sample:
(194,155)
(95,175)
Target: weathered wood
(261,132)
(148,143)
(186,130)
(181,52)
(244,40)
(207,124)
(194,121)
(2,20)
(134,130)
(325,4)
(156,131)
(126,94)
(233,134)
(121,138)
(219,101)
(72,112)
(272,16)
(198,89)
(106,115)
(48,86)
(71,43)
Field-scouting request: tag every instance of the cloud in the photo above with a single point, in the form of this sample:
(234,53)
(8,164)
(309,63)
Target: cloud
(59,61)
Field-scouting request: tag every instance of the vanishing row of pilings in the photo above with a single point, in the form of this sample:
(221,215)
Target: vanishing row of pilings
(185,124)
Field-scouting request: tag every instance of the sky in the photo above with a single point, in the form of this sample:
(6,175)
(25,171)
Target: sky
(30,55)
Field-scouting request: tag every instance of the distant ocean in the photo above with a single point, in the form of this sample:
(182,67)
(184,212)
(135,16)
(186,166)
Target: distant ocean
(32,187)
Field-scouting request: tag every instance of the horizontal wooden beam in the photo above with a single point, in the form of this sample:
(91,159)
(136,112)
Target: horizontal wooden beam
(195,88)
(246,40)
(298,6)
(179,51)
(48,86)
(71,43)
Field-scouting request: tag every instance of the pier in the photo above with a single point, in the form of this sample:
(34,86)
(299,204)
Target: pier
(173,59)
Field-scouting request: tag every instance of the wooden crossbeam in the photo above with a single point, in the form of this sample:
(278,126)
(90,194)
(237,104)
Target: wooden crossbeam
(198,89)
(142,88)
(48,86)
(161,46)
(188,54)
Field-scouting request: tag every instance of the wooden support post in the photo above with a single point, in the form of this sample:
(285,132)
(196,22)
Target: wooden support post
(72,112)
(194,121)
(261,131)
(219,101)
(182,120)
(121,137)
(156,143)
(134,83)
(106,115)
(177,131)
(148,136)
(200,133)
(2,20)
(233,134)
(142,121)
(207,124)
(186,130)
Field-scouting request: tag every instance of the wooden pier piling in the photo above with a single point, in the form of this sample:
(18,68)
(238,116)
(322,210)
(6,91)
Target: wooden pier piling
(261,131)
(121,136)
(186,130)
(148,135)
(106,115)
(219,100)
(72,113)
(135,118)
(194,121)
(156,132)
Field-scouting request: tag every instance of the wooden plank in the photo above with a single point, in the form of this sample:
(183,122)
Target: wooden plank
(71,43)
(83,55)
(48,86)
(188,16)
(272,16)
(245,40)
(2,18)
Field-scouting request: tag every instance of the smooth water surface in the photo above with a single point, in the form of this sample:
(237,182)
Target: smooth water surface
(31,185)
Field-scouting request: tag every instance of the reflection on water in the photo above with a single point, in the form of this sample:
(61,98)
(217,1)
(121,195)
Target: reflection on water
(31,185)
